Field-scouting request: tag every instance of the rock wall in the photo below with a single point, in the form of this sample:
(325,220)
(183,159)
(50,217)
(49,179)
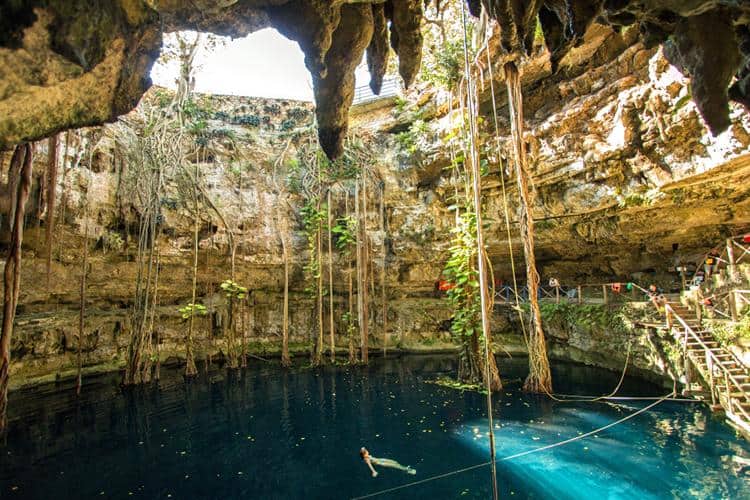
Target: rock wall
(623,165)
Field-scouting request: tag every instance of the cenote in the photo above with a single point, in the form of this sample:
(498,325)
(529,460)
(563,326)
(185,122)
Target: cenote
(267,433)
(243,240)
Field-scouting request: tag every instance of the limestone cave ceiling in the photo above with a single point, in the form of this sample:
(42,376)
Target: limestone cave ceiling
(73,63)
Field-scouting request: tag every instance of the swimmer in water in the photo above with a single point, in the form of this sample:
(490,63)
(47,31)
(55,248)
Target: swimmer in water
(382,462)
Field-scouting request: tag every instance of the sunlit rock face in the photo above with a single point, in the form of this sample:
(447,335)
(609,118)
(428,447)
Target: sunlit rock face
(68,63)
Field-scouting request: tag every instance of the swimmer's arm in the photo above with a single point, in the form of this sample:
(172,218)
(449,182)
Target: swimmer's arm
(369,464)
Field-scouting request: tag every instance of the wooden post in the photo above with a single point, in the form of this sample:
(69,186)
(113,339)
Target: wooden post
(710,364)
(557,294)
(606,297)
(732,305)
(730,257)
(580,294)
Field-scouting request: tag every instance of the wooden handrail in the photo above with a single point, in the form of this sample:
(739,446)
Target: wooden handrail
(689,332)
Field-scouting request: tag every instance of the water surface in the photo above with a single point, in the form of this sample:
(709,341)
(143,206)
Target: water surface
(266,433)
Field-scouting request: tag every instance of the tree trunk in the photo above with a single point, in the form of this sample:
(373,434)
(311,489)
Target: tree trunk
(330,283)
(190,368)
(364,268)
(361,283)
(12,276)
(285,360)
(152,355)
(540,378)
(382,273)
(82,309)
(350,279)
(49,224)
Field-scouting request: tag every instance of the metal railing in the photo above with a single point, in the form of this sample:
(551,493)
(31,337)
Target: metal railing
(363,94)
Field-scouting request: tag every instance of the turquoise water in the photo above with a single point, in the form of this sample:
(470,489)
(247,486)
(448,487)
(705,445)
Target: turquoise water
(265,433)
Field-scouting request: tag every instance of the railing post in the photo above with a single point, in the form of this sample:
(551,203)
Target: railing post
(730,257)
(710,365)
(726,387)
(557,294)
(606,298)
(668,315)
(580,294)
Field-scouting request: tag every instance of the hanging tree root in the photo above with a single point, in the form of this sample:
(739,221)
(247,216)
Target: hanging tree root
(540,378)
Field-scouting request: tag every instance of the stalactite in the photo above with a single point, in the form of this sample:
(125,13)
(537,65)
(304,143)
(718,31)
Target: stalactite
(540,378)
(12,275)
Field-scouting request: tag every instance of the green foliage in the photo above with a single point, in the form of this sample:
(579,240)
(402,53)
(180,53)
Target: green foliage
(192,310)
(451,383)
(287,124)
(408,140)
(233,291)
(247,120)
(163,98)
(223,133)
(401,104)
(345,231)
(729,332)
(195,111)
(294,175)
(112,241)
(272,108)
(444,66)
(596,317)
(297,114)
(312,221)
(460,270)
(348,320)
(633,200)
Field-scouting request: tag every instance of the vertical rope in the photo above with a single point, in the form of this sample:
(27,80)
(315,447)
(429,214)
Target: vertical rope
(480,249)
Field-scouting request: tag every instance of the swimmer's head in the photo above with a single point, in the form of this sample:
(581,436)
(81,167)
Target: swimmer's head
(363,452)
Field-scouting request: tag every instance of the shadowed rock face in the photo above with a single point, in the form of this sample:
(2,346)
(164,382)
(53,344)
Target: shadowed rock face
(71,63)
(708,40)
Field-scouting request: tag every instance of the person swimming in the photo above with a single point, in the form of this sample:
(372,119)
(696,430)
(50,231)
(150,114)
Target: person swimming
(382,462)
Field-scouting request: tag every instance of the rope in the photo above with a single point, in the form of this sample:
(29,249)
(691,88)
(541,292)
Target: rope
(523,453)
(590,433)
(422,481)
(481,264)
(556,397)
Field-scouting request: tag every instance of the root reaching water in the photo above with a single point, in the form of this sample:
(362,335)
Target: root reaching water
(539,379)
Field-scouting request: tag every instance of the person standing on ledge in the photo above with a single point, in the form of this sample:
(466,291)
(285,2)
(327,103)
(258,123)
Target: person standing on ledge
(382,462)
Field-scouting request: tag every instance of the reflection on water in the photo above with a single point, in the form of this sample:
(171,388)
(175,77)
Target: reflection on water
(267,433)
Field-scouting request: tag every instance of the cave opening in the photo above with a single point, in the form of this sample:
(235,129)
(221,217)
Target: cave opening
(333,226)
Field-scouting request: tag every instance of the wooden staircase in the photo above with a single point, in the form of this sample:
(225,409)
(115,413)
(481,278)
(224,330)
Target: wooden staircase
(726,377)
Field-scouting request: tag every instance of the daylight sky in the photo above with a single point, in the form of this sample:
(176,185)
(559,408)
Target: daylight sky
(263,64)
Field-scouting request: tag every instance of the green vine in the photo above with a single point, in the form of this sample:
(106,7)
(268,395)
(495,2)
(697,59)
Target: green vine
(345,231)
(192,310)
(313,220)
(460,271)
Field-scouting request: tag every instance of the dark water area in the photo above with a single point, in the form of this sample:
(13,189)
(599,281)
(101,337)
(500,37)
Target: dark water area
(267,433)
